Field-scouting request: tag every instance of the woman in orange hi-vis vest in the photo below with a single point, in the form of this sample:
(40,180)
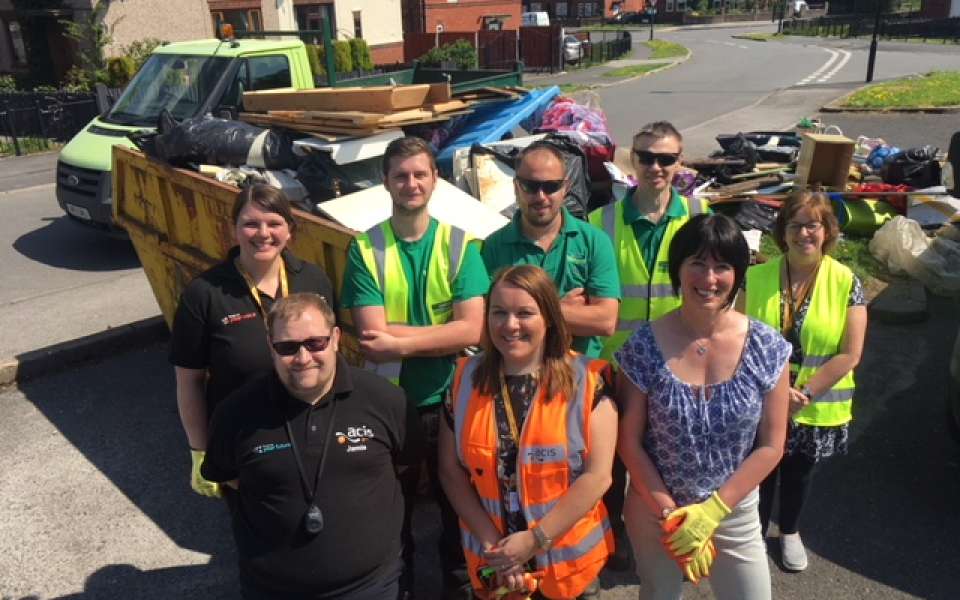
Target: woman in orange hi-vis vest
(528,447)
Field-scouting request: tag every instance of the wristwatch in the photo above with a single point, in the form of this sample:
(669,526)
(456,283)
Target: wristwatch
(806,391)
(543,542)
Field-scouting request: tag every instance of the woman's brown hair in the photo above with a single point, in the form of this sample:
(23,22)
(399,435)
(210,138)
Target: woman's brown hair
(267,198)
(819,205)
(556,372)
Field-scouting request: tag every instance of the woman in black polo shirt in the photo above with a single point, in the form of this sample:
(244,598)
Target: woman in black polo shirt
(219,340)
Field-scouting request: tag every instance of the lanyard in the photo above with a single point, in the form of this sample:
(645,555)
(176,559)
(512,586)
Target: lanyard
(284,287)
(308,494)
(508,408)
(794,303)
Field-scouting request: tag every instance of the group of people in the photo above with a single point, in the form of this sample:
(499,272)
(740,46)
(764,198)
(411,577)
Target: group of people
(637,383)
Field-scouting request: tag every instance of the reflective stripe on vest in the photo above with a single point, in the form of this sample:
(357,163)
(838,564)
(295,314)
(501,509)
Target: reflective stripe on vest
(645,297)
(378,247)
(553,441)
(820,336)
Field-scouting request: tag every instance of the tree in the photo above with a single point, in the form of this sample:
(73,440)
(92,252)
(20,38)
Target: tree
(92,35)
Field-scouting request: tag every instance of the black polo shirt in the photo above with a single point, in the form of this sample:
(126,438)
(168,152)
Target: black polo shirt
(375,431)
(218,326)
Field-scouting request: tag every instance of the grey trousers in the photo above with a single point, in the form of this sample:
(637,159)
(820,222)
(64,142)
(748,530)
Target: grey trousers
(740,571)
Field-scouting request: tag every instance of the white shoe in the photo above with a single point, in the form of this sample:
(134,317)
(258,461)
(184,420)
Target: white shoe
(792,554)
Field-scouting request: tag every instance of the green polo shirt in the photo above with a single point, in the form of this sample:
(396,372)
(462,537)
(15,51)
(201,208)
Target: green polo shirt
(649,234)
(581,257)
(424,379)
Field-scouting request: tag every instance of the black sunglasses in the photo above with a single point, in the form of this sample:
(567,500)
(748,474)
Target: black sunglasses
(533,186)
(664,159)
(291,347)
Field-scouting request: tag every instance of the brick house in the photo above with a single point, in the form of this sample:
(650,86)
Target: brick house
(940,9)
(428,16)
(572,9)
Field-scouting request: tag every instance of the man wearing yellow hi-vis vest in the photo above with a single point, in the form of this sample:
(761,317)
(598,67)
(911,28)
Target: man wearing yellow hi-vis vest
(641,226)
(818,305)
(415,288)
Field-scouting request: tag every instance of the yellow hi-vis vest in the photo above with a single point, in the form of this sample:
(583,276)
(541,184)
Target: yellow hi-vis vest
(378,247)
(645,297)
(820,336)
(554,440)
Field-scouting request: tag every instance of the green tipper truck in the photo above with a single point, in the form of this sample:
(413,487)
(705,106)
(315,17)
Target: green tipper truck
(186,78)
(207,76)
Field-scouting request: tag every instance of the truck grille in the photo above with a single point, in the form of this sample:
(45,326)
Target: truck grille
(78,180)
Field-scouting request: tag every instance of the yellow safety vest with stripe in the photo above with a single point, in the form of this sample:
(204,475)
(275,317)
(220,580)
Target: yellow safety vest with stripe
(381,255)
(645,297)
(554,440)
(820,335)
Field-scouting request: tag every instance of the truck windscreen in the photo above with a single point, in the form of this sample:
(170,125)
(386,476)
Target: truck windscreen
(178,83)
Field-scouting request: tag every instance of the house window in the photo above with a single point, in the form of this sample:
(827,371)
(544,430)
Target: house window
(669,6)
(493,23)
(311,17)
(681,5)
(357,25)
(242,20)
(560,9)
(16,41)
(535,7)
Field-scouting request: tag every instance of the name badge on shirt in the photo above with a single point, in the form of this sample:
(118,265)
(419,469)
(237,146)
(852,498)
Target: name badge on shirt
(513,502)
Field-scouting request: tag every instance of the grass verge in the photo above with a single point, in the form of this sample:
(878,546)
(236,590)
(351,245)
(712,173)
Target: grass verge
(572,88)
(633,71)
(938,88)
(28,145)
(851,251)
(665,49)
(758,37)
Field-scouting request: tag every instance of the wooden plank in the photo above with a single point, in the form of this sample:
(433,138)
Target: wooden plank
(329,115)
(382,99)
(442,107)
(406,115)
(439,92)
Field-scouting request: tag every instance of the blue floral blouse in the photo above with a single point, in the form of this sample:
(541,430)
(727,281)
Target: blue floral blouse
(697,443)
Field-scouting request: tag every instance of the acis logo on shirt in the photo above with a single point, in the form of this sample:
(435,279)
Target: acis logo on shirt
(355,438)
(238,317)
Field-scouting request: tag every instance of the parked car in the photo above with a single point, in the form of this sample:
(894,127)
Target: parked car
(572,49)
(629,18)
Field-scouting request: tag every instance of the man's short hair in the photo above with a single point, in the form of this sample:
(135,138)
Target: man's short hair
(406,147)
(543,146)
(657,130)
(293,306)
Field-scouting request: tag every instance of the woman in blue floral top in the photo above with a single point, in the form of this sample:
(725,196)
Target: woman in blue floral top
(704,391)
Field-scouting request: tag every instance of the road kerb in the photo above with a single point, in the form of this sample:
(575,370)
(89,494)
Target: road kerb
(67,354)
(667,65)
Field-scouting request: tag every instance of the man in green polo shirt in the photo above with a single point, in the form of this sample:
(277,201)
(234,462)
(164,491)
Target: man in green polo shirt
(577,256)
(415,287)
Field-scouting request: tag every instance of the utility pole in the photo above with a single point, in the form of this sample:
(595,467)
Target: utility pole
(783,10)
(872,58)
(652,13)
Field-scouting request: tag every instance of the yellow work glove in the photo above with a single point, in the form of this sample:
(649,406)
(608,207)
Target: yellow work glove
(697,565)
(692,526)
(197,482)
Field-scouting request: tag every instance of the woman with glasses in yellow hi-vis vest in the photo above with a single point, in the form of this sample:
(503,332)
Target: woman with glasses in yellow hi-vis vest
(817,303)
(527,448)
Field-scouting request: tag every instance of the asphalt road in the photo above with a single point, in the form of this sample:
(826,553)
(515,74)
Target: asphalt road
(96,504)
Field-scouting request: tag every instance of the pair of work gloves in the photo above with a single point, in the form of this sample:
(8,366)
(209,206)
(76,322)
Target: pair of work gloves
(197,482)
(688,536)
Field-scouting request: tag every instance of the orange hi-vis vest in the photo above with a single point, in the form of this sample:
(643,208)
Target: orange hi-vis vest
(554,441)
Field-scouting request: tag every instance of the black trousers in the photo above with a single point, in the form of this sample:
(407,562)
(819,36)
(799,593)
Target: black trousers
(453,565)
(794,475)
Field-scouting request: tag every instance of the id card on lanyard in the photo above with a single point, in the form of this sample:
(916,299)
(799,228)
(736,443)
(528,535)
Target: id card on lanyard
(513,498)
(255,293)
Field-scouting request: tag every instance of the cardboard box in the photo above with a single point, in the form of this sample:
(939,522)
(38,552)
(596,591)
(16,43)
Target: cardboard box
(824,160)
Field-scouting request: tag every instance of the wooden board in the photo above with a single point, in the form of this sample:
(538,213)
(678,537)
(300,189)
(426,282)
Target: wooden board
(439,92)
(382,99)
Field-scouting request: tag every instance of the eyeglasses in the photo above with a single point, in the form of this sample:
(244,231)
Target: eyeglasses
(811,227)
(291,347)
(533,186)
(664,159)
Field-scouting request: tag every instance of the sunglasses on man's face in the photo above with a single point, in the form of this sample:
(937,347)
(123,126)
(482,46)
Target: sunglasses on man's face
(533,186)
(664,159)
(291,347)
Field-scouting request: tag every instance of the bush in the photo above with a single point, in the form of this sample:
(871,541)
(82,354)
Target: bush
(139,51)
(76,80)
(316,58)
(8,83)
(120,71)
(343,60)
(360,53)
(460,52)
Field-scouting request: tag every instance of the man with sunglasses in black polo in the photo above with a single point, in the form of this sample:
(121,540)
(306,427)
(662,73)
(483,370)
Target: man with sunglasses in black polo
(576,255)
(309,456)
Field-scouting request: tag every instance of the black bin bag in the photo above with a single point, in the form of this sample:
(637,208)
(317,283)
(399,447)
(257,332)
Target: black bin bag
(916,167)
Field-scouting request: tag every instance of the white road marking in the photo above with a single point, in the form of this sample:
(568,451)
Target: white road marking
(32,188)
(819,72)
(836,69)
